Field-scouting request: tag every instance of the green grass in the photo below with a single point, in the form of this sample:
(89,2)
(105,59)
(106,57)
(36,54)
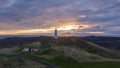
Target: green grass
(110,64)
(59,59)
(14,62)
(67,62)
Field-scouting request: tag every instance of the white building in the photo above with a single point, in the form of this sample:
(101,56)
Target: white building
(55,34)
(29,49)
(26,49)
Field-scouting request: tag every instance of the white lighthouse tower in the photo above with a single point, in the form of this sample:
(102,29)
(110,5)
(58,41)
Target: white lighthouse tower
(55,34)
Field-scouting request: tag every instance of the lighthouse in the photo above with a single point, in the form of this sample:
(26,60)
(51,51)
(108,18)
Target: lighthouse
(55,34)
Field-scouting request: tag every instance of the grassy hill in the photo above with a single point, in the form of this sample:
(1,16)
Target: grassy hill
(68,53)
(81,44)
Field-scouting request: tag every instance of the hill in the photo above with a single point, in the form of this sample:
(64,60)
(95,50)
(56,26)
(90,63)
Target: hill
(64,51)
(80,44)
(107,42)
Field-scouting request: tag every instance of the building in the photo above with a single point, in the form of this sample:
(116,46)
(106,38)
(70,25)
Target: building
(29,49)
(26,49)
(34,49)
(55,34)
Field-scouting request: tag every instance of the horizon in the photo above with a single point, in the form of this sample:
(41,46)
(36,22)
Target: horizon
(7,36)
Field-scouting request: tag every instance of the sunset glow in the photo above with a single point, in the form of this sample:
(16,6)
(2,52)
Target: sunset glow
(29,31)
(70,26)
(61,27)
(96,32)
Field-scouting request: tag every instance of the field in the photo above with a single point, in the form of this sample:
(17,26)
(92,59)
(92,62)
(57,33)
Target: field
(63,53)
(61,60)
(108,64)
(14,62)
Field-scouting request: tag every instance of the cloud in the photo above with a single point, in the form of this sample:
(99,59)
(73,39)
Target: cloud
(42,14)
(100,18)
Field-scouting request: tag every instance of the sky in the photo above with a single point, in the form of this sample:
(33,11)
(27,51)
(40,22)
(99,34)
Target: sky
(70,17)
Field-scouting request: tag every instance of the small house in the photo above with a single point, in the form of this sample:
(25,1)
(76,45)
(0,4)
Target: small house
(26,49)
(29,49)
(33,49)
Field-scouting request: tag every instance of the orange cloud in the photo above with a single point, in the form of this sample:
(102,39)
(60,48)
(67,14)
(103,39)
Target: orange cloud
(70,26)
(96,32)
(29,31)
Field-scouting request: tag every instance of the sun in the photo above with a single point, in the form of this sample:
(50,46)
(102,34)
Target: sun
(68,27)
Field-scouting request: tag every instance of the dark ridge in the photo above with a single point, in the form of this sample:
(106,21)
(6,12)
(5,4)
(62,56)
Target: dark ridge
(107,42)
(14,41)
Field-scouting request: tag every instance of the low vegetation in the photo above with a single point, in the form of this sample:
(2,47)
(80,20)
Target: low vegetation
(13,62)
(69,53)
